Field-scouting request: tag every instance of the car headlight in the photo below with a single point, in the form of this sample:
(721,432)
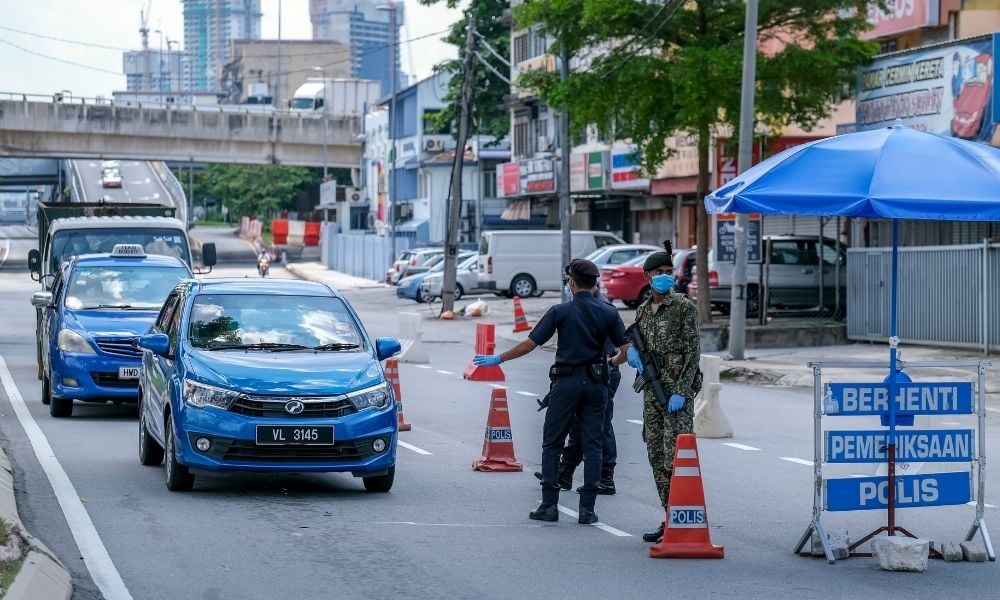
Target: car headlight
(71,341)
(373,397)
(201,395)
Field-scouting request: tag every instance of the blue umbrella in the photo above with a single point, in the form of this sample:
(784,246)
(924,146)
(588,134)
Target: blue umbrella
(891,173)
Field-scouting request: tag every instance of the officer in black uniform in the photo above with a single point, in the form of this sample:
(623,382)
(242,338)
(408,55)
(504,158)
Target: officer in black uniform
(579,383)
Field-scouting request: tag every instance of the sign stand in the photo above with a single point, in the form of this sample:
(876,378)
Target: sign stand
(891,528)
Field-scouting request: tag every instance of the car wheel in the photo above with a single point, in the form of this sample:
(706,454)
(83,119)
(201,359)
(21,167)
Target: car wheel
(459,292)
(631,303)
(380,483)
(422,297)
(150,453)
(46,390)
(179,478)
(753,301)
(523,286)
(643,295)
(59,407)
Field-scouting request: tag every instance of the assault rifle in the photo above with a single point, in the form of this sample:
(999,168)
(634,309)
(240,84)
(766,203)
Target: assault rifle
(652,370)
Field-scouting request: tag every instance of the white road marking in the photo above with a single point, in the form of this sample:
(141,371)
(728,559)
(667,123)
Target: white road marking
(450,524)
(856,475)
(497,386)
(740,446)
(636,421)
(444,372)
(599,525)
(973,503)
(156,195)
(991,409)
(423,366)
(412,447)
(798,461)
(950,423)
(529,394)
(95,554)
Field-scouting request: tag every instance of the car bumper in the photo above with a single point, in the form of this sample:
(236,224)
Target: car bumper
(234,446)
(96,377)
(620,291)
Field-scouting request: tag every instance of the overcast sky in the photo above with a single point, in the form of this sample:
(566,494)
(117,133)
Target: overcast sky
(115,23)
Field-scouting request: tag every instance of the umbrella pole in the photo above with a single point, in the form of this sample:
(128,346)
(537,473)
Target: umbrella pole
(893,343)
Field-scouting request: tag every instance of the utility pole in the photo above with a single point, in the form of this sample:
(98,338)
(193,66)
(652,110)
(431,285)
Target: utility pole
(455,209)
(394,83)
(277,86)
(738,304)
(565,213)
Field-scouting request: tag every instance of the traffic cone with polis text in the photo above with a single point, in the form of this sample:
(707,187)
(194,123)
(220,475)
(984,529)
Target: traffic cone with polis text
(498,447)
(520,320)
(392,374)
(685,528)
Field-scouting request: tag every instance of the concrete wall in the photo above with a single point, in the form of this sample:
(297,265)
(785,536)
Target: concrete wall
(57,130)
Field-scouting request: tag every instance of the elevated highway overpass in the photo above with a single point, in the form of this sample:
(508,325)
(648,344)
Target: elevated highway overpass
(31,128)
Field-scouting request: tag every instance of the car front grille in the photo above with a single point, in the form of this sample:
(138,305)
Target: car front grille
(119,346)
(111,380)
(247,451)
(274,406)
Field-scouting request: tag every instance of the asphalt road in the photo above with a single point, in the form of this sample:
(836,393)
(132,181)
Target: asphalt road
(445,531)
(140,183)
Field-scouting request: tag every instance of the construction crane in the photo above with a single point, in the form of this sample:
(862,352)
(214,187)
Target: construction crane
(144,32)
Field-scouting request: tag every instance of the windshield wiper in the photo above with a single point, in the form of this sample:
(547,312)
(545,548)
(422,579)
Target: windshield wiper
(121,306)
(258,346)
(335,346)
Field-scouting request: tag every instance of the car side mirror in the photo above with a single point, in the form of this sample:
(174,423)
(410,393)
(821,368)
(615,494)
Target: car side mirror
(157,343)
(35,263)
(41,299)
(208,256)
(387,348)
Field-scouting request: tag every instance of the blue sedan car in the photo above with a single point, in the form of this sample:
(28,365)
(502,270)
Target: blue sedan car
(273,375)
(91,320)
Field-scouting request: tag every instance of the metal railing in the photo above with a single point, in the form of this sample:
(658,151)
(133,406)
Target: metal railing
(368,256)
(173,188)
(948,295)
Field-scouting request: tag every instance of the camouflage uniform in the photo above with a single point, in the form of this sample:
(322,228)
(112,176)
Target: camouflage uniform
(672,333)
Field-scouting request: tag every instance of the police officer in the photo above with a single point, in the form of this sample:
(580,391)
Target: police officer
(579,383)
(669,325)
(572,454)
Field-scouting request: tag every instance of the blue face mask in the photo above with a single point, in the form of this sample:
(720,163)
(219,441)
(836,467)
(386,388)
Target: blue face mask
(568,291)
(662,283)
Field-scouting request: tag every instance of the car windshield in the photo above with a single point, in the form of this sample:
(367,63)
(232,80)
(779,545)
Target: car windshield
(596,255)
(135,287)
(638,260)
(220,321)
(70,243)
(464,261)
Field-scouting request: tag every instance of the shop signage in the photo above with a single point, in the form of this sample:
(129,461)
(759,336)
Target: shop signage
(899,16)
(626,170)
(586,172)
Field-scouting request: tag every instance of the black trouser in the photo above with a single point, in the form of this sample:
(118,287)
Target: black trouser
(572,454)
(573,397)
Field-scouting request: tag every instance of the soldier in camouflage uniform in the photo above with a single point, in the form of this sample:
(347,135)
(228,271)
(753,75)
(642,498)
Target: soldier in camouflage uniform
(668,322)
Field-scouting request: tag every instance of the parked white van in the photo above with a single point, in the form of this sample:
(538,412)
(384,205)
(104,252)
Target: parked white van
(528,262)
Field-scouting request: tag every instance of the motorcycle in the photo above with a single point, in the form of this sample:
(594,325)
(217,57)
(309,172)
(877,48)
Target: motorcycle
(263,265)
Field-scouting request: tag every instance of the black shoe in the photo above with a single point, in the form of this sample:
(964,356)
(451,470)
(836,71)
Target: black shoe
(653,537)
(538,475)
(565,480)
(587,516)
(545,512)
(606,488)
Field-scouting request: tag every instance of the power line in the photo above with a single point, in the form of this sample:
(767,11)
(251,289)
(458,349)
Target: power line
(64,40)
(647,40)
(61,60)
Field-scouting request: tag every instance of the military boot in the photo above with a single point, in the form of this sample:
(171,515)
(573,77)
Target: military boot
(565,479)
(545,512)
(587,516)
(607,483)
(654,537)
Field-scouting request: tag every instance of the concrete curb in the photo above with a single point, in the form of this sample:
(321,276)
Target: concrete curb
(42,576)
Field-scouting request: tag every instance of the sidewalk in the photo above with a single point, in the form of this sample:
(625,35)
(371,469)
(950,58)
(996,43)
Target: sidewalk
(316,271)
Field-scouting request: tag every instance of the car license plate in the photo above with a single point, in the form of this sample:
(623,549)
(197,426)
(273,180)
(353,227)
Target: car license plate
(128,372)
(294,435)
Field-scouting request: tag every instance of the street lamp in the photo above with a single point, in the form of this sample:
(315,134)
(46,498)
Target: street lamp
(159,71)
(325,96)
(394,79)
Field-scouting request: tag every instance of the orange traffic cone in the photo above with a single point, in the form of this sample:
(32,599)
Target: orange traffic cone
(685,529)
(520,321)
(392,374)
(498,447)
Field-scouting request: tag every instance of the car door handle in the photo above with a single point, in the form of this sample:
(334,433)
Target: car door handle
(807,271)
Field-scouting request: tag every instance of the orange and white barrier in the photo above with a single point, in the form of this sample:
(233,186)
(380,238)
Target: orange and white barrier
(685,528)
(485,344)
(520,320)
(498,447)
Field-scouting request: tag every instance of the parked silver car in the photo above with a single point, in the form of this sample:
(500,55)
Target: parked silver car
(619,254)
(466,280)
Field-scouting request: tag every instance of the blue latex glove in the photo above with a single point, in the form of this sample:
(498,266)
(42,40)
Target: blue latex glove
(676,403)
(633,359)
(487,360)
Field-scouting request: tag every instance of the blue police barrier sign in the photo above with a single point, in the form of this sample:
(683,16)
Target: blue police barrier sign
(871,493)
(925,398)
(928,445)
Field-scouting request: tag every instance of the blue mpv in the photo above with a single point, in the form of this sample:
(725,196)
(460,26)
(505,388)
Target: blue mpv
(265,375)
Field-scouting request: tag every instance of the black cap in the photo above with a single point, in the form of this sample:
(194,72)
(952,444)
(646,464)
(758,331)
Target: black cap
(582,267)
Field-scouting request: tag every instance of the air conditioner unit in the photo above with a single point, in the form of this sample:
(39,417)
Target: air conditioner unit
(353,195)
(433,145)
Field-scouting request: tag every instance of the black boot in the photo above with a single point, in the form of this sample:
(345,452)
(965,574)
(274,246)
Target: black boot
(653,537)
(565,479)
(607,484)
(587,516)
(545,512)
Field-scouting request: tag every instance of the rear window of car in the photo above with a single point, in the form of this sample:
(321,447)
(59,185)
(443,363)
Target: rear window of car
(604,240)
(484,244)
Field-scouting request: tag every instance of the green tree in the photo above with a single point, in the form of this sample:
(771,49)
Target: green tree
(657,70)
(489,117)
(256,189)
